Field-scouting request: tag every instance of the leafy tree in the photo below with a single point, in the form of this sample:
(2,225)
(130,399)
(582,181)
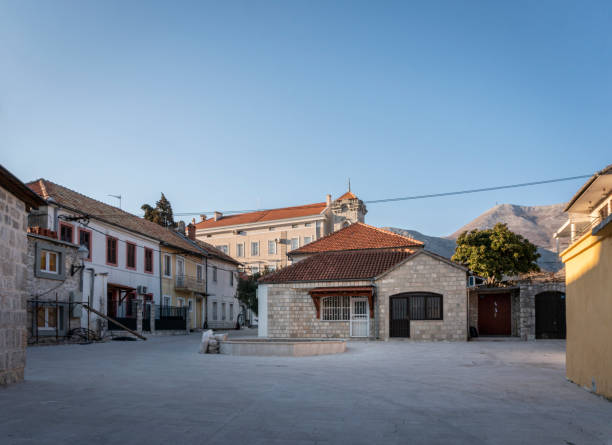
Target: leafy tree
(161,214)
(496,252)
(247,290)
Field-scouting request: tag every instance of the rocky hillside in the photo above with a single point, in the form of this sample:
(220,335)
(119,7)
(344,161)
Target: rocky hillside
(536,223)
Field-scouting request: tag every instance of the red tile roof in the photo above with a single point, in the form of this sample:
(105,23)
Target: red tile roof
(264,215)
(347,195)
(358,236)
(109,214)
(333,266)
(213,251)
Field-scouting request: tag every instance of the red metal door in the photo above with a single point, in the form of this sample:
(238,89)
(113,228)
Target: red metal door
(494,314)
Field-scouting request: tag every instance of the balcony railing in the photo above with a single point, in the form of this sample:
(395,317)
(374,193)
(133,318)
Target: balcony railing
(186,282)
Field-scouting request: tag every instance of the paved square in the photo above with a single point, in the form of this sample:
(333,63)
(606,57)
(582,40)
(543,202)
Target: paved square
(162,392)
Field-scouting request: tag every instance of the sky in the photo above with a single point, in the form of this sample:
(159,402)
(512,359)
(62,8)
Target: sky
(260,104)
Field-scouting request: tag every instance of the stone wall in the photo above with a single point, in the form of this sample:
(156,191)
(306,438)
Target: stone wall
(48,288)
(13,252)
(292,313)
(424,273)
(528,292)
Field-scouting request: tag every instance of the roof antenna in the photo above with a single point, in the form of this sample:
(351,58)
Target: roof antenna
(118,197)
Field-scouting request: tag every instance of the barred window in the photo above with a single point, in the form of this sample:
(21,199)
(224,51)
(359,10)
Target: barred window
(426,307)
(336,308)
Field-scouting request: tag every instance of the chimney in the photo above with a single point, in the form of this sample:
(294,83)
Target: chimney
(191,229)
(328,200)
(218,215)
(192,220)
(202,217)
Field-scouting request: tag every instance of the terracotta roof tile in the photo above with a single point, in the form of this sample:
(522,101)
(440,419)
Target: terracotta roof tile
(347,265)
(347,195)
(355,237)
(263,215)
(109,214)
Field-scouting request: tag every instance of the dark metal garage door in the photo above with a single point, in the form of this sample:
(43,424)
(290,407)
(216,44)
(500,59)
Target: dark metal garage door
(494,314)
(550,315)
(399,317)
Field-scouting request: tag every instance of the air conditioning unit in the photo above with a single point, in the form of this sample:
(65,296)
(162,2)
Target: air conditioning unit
(142,290)
(471,281)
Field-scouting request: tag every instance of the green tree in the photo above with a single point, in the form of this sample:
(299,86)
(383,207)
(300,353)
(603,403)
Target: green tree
(160,214)
(496,252)
(247,290)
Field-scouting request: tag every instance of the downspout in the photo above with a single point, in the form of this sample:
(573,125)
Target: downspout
(205,292)
(374,303)
(161,292)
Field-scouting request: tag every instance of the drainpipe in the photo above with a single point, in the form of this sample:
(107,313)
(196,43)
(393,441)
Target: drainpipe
(374,303)
(160,282)
(205,292)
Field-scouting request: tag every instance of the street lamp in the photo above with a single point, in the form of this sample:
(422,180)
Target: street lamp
(82,254)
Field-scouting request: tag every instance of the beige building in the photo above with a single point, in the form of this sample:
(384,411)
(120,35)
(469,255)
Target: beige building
(261,240)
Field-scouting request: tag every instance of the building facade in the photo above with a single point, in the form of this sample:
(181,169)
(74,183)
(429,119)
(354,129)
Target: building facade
(15,202)
(262,240)
(588,265)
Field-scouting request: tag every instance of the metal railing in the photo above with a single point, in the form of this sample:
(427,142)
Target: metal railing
(190,283)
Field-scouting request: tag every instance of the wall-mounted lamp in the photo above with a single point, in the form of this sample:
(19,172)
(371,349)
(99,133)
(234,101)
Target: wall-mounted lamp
(82,254)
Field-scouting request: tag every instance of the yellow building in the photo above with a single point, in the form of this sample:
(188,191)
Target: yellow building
(588,263)
(183,280)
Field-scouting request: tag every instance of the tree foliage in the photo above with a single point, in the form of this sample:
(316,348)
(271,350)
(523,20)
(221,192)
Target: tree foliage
(160,214)
(493,253)
(247,290)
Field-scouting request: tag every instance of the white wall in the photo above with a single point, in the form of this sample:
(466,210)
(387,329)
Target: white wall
(221,292)
(262,310)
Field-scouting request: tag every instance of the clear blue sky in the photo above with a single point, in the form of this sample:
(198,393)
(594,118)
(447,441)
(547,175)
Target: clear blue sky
(240,105)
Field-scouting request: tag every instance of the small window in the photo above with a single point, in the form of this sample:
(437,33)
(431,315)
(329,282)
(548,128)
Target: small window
(223,248)
(66,232)
(222,311)
(294,226)
(336,308)
(307,224)
(426,307)
(148,258)
(111,250)
(240,250)
(272,267)
(85,240)
(166,300)
(307,239)
(215,273)
(49,261)
(50,318)
(231,275)
(272,247)
(167,266)
(295,243)
(318,229)
(271,229)
(214,311)
(199,273)
(255,248)
(130,258)
(231,314)
(190,303)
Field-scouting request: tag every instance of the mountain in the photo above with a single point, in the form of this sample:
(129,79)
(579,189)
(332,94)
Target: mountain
(536,223)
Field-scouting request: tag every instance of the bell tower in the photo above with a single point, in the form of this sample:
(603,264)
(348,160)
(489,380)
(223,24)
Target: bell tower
(348,209)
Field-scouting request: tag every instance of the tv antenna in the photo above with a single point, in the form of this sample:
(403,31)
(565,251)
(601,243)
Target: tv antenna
(118,197)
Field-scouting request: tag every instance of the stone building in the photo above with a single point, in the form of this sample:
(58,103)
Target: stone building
(531,307)
(53,287)
(262,240)
(15,202)
(398,290)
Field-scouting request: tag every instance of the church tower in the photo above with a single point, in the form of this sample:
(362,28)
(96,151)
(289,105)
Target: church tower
(347,209)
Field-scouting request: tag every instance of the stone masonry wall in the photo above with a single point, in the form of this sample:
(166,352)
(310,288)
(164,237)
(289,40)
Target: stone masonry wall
(424,273)
(528,292)
(13,252)
(44,289)
(292,313)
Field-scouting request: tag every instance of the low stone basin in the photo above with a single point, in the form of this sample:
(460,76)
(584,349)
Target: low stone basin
(282,347)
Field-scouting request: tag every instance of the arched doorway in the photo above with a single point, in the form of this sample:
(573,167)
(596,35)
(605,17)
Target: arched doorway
(550,315)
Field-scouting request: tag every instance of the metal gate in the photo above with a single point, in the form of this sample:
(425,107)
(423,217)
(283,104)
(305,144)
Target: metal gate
(124,312)
(550,315)
(360,317)
(494,314)
(399,317)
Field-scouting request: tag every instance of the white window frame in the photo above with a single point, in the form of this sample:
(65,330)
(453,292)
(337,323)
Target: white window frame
(254,243)
(199,273)
(223,248)
(180,260)
(214,311)
(336,308)
(239,252)
(47,254)
(167,300)
(297,243)
(168,261)
(318,227)
(307,240)
(272,243)
(59,313)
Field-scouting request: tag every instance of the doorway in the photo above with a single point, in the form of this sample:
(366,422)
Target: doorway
(550,315)
(494,314)
(360,317)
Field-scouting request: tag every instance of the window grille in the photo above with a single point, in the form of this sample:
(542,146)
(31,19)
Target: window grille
(426,307)
(336,308)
